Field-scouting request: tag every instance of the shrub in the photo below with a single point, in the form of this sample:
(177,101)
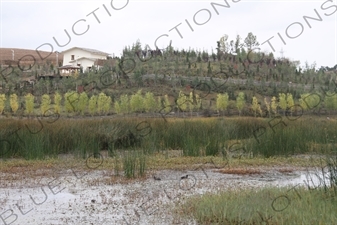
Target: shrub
(29,100)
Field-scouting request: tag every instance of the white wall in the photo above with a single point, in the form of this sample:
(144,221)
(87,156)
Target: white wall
(78,53)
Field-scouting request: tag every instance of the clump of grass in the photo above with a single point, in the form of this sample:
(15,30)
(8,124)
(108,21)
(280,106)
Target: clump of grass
(134,164)
(262,207)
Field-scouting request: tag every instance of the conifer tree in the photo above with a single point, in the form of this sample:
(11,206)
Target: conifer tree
(83,102)
(283,102)
(290,103)
(222,102)
(29,102)
(45,104)
(274,105)
(13,101)
(93,105)
(240,102)
(2,102)
(57,101)
(137,102)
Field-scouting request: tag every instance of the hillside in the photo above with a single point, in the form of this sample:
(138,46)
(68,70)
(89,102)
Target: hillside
(6,56)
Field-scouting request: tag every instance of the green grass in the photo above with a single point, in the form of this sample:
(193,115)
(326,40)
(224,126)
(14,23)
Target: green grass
(264,207)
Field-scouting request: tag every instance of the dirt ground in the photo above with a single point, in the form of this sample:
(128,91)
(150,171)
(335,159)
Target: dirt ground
(68,195)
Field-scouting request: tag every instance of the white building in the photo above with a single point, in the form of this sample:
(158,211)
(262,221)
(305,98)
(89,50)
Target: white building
(82,57)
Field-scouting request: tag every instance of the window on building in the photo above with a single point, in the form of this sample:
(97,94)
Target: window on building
(72,57)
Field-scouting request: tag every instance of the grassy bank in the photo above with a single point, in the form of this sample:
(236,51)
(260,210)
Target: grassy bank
(229,137)
(267,206)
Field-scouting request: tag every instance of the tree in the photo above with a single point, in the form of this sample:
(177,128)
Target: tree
(2,102)
(29,102)
(240,102)
(290,103)
(57,101)
(330,101)
(267,104)
(283,102)
(310,101)
(83,102)
(45,103)
(117,107)
(251,41)
(274,105)
(124,104)
(71,101)
(167,104)
(13,101)
(107,105)
(150,102)
(222,102)
(93,104)
(137,102)
(256,106)
(101,101)
(182,101)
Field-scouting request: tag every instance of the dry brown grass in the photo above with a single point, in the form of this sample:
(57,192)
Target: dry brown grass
(6,56)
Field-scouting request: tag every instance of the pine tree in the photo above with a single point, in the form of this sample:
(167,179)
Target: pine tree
(240,102)
(71,101)
(330,101)
(101,101)
(290,103)
(57,101)
(137,102)
(267,104)
(2,102)
(45,104)
(125,104)
(222,102)
(117,107)
(93,104)
(283,102)
(13,101)
(182,101)
(29,102)
(83,102)
(149,102)
(274,105)
(167,104)
(107,105)
(256,106)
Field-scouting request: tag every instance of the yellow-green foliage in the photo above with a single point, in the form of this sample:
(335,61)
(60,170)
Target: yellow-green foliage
(282,101)
(45,104)
(83,102)
(117,107)
(222,102)
(71,101)
(240,101)
(256,106)
(57,101)
(310,101)
(330,100)
(93,104)
(150,102)
(274,105)
(137,102)
(290,103)
(13,101)
(100,102)
(167,104)
(29,102)
(124,104)
(182,101)
(267,104)
(2,102)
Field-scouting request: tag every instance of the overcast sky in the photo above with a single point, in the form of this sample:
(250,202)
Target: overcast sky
(29,24)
